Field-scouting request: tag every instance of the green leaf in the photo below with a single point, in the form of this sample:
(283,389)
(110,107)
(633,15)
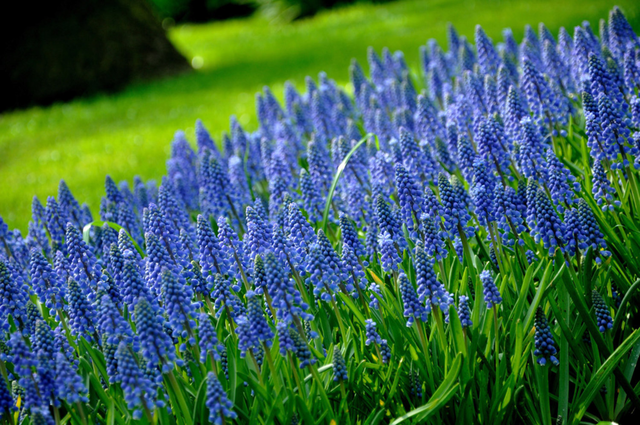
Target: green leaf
(336,178)
(375,417)
(620,313)
(87,228)
(597,380)
(354,309)
(111,412)
(303,411)
(396,380)
(440,397)
(542,380)
(542,286)
(456,331)
(199,409)
(597,337)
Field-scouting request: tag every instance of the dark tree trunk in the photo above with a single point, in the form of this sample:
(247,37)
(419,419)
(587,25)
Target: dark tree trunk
(58,50)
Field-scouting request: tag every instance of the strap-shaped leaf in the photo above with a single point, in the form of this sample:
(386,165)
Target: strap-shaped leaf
(440,397)
(336,178)
(603,373)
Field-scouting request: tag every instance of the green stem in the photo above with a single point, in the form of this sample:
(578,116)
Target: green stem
(274,371)
(294,370)
(181,401)
(56,414)
(497,353)
(425,348)
(543,390)
(563,378)
(441,335)
(81,411)
(9,416)
(255,363)
(339,317)
(323,393)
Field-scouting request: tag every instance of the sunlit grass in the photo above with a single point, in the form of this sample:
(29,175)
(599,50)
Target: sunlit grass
(129,133)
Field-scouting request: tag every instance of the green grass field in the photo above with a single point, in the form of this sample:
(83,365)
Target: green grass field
(129,133)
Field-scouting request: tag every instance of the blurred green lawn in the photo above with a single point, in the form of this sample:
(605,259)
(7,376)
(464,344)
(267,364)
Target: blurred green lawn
(129,133)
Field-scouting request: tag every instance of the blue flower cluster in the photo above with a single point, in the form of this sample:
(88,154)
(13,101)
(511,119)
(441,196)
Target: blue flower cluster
(545,345)
(233,248)
(339,366)
(602,312)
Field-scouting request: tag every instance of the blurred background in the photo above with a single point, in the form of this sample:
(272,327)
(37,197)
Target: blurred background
(97,87)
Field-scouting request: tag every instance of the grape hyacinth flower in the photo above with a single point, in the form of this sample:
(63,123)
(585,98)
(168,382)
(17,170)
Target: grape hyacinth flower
(158,258)
(591,231)
(573,232)
(530,156)
(463,312)
(225,299)
(614,133)
(481,192)
(69,385)
(300,232)
(285,340)
(603,315)
(219,405)
(430,290)
(212,257)
(434,245)
(509,216)
(208,340)
(136,386)
(454,210)
(561,182)
(387,222)
(371,333)
(7,404)
(410,197)
(389,257)
(255,315)
(312,200)
(415,384)
(285,298)
(82,315)
(301,349)
(84,264)
(13,298)
(157,347)
(545,346)
(339,366)
(258,237)
(176,297)
(134,285)
(385,351)
(324,268)
(374,289)
(602,190)
(491,293)
(491,144)
(113,327)
(487,55)
(413,308)
(548,227)
(350,236)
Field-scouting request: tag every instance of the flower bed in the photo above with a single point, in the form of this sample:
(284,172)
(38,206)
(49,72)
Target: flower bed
(466,254)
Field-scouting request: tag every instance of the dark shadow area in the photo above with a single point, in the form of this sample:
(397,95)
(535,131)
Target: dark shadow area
(55,51)
(203,10)
(218,10)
